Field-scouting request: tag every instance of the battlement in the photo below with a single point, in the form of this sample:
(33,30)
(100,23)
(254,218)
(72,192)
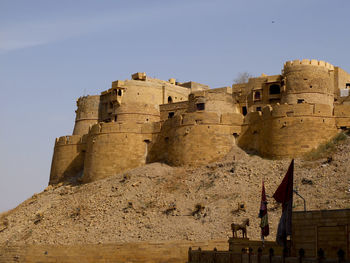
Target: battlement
(70,140)
(289,110)
(308,62)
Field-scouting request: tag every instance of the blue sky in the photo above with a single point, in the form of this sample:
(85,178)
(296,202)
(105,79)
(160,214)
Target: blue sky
(52,52)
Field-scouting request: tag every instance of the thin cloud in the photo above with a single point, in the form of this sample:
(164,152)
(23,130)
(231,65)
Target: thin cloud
(40,32)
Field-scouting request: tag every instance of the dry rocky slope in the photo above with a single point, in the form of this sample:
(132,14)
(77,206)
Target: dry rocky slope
(158,202)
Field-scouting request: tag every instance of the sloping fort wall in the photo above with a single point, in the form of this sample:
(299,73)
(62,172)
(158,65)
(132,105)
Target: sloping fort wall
(68,158)
(196,138)
(287,130)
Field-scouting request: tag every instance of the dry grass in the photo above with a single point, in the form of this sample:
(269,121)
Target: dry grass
(326,149)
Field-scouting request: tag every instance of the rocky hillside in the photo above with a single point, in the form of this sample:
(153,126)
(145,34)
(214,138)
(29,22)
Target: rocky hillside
(158,202)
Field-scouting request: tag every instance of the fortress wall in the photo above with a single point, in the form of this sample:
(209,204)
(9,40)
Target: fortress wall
(342,115)
(216,100)
(68,158)
(141,252)
(115,147)
(87,114)
(137,112)
(310,80)
(177,107)
(153,91)
(176,93)
(196,138)
(286,130)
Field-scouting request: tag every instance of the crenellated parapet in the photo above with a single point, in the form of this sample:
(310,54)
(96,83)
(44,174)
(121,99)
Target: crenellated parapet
(290,65)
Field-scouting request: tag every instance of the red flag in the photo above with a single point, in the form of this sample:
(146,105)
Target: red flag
(284,195)
(264,225)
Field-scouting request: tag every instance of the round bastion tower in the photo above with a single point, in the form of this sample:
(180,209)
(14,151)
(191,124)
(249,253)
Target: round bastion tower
(87,114)
(308,81)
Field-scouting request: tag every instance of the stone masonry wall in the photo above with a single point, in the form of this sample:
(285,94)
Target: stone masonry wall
(311,81)
(326,229)
(287,130)
(196,138)
(142,252)
(115,147)
(87,114)
(68,158)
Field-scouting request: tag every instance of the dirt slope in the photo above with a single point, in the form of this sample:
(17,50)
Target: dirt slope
(158,202)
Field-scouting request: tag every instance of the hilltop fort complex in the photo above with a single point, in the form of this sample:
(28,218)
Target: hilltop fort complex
(145,120)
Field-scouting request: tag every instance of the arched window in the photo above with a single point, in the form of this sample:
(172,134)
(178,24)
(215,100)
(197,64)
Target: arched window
(170,99)
(275,89)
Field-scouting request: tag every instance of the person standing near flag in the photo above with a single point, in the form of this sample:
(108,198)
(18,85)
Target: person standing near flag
(264,225)
(284,195)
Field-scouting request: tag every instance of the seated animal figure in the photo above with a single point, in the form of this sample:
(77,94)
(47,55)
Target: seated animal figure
(243,227)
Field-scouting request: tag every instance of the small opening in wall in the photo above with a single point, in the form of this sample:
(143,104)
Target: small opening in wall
(115,118)
(170,99)
(301,120)
(275,89)
(310,87)
(244,110)
(147,120)
(200,106)
(257,95)
(147,141)
(166,139)
(235,134)
(171,114)
(300,101)
(323,120)
(120,92)
(258,108)
(347,85)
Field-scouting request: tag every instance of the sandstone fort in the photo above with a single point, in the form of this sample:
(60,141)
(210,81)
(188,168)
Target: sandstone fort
(145,120)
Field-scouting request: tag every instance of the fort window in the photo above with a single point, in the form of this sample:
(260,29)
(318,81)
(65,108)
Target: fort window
(275,89)
(258,108)
(244,110)
(257,95)
(171,114)
(347,85)
(120,92)
(310,87)
(200,106)
(115,118)
(300,101)
(170,99)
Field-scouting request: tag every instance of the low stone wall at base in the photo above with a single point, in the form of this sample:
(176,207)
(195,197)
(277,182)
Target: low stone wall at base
(141,252)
